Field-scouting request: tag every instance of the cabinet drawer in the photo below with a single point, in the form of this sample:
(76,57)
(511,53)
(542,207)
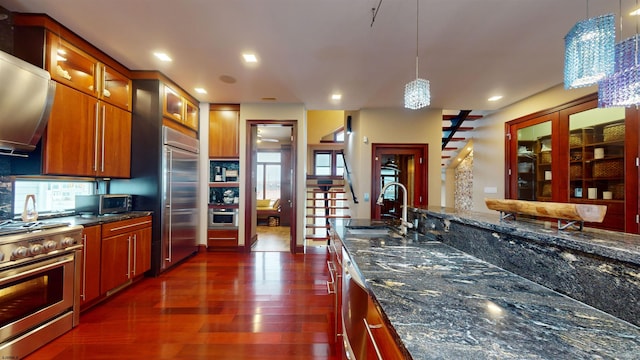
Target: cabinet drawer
(125,226)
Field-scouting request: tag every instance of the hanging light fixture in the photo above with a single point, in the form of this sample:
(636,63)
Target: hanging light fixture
(417,93)
(623,87)
(589,51)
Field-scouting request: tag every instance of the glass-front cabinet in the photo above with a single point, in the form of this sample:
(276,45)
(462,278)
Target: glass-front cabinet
(577,153)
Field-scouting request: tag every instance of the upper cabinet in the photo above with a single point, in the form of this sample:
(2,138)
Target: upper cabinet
(577,153)
(73,67)
(89,129)
(224,127)
(179,108)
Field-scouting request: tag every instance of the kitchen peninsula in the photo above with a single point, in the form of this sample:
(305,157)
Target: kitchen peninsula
(444,303)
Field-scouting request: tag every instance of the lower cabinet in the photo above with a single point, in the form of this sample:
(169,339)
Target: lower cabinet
(126,252)
(90,283)
(222,239)
(365,333)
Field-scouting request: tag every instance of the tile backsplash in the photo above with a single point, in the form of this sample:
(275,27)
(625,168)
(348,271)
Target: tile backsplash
(6,198)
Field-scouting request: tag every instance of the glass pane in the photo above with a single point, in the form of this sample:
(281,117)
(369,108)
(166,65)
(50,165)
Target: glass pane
(323,164)
(596,158)
(269,157)
(51,196)
(534,162)
(272,182)
(260,182)
(339,165)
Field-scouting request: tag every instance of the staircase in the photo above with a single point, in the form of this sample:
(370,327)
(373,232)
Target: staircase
(326,199)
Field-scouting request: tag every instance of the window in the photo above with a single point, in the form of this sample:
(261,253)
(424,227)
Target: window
(328,163)
(51,196)
(268,175)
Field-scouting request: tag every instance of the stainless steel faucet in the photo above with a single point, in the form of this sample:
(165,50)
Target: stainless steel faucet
(404,224)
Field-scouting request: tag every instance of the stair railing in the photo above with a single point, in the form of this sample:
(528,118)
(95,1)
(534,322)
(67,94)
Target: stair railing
(348,177)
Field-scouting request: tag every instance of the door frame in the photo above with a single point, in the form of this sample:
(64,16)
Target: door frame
(421,177)
(250,235)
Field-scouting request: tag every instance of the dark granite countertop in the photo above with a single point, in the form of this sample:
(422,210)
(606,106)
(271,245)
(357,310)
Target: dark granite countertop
(616,245)
(90,220)
(446,304)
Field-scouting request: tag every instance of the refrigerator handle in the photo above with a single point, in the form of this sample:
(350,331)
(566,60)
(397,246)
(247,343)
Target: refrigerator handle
(169,200)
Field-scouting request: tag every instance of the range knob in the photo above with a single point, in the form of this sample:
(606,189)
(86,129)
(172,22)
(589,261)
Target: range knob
(67,241)
(20,252)
(36,249)
(50,245)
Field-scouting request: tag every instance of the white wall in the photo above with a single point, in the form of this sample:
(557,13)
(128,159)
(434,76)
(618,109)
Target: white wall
(391,125)
(489,137)
(254,111)
(203,176)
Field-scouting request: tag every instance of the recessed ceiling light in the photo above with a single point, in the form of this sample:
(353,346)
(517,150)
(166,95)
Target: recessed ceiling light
(201,90)
(495,98)
(635,12)
(336,97)
(250,58)
(162,56)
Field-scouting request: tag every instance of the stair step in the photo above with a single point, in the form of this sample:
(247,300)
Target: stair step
(315,226)
(316,237)
(328,216)
(328,207)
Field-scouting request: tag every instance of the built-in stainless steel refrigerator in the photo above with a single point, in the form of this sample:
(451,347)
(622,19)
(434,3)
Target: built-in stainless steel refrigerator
(164,173)
(179,200)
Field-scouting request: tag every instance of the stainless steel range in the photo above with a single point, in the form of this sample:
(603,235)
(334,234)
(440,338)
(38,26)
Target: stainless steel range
(40,268)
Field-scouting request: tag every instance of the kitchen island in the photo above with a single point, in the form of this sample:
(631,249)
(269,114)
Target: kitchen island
(445,304)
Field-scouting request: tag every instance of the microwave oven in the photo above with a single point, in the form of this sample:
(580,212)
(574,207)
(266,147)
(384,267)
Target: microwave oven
(103,204)
(223,217)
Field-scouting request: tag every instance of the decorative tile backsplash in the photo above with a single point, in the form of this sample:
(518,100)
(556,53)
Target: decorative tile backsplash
(6,198)
(463,196)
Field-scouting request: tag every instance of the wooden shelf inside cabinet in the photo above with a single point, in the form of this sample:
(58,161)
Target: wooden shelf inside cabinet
(224,184)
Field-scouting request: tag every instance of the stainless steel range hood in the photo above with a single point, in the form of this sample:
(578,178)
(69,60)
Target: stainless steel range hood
(26,96)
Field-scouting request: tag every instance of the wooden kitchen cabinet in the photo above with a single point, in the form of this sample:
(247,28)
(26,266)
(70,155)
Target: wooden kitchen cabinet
(75,68)
(126,252)
(86,137)
(222,240)
(179,108)
(90,284)
(89,129)
(224,127)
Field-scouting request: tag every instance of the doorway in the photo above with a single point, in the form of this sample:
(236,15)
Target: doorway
(403,163)
(271,206)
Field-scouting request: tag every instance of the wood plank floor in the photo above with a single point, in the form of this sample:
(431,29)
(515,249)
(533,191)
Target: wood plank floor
(261,305)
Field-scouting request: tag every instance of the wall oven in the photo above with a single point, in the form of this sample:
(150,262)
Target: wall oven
(39,287)
(223,217)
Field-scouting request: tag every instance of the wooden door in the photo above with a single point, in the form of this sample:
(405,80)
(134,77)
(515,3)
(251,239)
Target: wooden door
(403,163)
(69,141)
(142,252)
(114,145)
(115,266)
(285,187)
(90,286)
(224,126)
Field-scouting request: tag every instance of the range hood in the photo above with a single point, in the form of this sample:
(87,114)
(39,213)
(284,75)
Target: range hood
(26,96)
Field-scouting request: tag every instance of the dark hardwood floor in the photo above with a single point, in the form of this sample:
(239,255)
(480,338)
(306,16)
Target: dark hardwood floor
(261,305)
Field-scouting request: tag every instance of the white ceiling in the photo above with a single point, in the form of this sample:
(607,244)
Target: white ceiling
(308,49)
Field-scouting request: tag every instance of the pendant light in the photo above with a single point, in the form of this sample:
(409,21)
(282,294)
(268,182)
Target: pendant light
(589,51)
(417,93)
(623,87)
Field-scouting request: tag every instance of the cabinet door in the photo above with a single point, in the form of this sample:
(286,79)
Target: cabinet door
(224,128)
(116,88)
(114,145)
(69,141)
(115,268)
(141,251)
(71,66)
(90,286)
(173,106)
(222,239)
(191,115)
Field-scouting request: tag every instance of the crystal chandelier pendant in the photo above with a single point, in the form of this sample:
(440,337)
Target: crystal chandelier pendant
(417,94)
(589,51)
(623,87)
